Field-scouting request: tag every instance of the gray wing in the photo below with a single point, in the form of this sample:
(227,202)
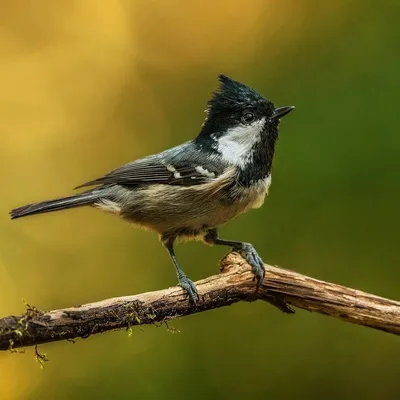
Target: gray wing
(184,165)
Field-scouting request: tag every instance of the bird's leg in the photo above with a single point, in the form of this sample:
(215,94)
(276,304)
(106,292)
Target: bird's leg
(249,253)
(246,250)
(184,282)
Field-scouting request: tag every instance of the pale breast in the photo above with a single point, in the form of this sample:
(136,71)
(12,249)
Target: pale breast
(254,196)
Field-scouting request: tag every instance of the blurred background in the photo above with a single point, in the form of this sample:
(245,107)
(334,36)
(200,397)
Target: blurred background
(89,85)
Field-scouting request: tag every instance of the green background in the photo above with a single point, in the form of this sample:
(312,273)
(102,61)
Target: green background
(87,86)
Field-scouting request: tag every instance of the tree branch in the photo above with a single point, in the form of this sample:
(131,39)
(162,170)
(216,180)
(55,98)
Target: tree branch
(232,285)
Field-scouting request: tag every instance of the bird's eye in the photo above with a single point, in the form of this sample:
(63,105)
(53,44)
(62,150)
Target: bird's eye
(248,117)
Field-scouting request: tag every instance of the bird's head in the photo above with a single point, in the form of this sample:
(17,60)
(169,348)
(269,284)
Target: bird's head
(240,123)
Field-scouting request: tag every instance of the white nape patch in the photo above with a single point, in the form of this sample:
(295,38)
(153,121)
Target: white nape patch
(205,172)
(108,206)
(236,144)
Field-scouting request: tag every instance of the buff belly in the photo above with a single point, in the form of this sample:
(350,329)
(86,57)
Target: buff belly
(176,211)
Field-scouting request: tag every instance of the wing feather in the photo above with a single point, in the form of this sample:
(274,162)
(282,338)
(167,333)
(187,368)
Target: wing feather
(185,168)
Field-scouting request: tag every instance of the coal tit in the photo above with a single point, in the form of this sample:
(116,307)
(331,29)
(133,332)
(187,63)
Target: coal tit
(190,190)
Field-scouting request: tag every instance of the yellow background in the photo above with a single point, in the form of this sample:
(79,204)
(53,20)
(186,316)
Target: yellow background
(86,86)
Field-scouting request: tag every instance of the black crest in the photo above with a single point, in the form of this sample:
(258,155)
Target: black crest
(232,95)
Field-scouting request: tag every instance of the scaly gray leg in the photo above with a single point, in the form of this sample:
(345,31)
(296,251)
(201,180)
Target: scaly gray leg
(186,284)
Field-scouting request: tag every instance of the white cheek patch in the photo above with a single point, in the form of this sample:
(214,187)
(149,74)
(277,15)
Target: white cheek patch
(235,146)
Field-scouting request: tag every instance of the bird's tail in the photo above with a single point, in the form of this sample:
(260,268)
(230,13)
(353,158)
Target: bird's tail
(82,199)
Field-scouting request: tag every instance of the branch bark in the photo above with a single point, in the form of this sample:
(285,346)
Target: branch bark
(234,284)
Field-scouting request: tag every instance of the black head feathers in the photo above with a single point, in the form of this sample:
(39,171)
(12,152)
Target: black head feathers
(232,95)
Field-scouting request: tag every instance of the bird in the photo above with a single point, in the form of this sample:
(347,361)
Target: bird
(189,191)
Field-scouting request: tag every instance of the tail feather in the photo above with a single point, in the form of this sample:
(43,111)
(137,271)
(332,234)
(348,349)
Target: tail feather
(82,199)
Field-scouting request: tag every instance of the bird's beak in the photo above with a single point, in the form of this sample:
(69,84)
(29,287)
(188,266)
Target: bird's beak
(281,112)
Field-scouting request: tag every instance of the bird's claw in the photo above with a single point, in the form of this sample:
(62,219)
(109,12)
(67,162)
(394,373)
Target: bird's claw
(249,253)
(190,288)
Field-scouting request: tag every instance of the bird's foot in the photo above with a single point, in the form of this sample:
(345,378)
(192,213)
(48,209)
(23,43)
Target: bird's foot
(249,253)
(189,287)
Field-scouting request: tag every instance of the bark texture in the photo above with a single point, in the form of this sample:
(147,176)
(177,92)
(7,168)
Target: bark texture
(233,284)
